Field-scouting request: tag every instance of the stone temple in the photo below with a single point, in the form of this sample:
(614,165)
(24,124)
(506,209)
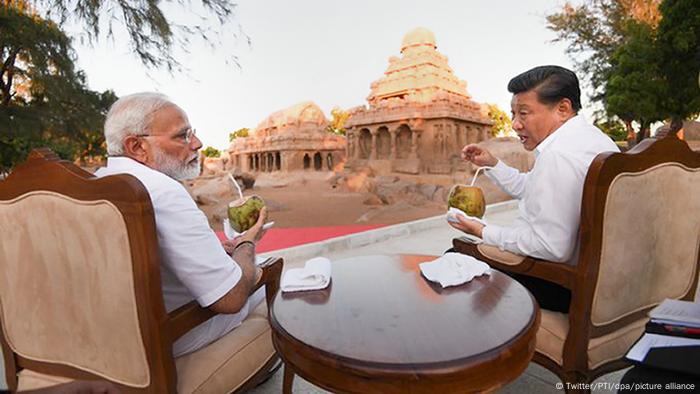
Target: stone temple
(291,139)
(419,115)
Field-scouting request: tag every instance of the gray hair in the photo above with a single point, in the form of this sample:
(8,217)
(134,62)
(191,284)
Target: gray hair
(131,115)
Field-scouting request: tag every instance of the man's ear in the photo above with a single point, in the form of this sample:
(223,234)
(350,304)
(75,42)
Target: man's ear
(565,109)
(134,148)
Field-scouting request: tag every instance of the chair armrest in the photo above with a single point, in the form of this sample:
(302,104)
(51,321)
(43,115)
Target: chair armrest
(560,273)
(271,275)
(190,315)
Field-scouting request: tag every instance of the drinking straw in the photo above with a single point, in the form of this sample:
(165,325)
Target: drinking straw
(477,173)
(240,193)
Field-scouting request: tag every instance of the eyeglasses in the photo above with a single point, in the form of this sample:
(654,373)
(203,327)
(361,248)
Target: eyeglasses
(186,136)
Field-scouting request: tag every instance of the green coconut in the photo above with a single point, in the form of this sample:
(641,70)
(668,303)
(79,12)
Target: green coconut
(243,213)
(470,199)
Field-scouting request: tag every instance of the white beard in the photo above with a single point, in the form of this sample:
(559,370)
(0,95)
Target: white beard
(174,168)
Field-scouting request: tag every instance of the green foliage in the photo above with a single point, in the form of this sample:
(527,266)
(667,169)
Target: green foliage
(243,132)
(634,90)
(211,152)
(337,123)
(502,124)
(641,58)
(152,32)
(678,46)
(44,101)
(595,29)
(612,127)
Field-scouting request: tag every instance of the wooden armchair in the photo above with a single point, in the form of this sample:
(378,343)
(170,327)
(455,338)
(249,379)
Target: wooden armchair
(639,244)
(80,292)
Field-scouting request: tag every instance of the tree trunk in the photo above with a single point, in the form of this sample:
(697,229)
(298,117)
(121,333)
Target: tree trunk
(631,136)
(643,131)
(676,125)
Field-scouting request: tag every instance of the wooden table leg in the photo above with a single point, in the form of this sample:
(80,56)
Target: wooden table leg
(288,379)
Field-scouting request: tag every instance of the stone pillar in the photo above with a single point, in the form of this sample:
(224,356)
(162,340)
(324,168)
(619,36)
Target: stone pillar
(286,159)
(350,146)
(244,162)
(392,155)
(414,144)
(373,152)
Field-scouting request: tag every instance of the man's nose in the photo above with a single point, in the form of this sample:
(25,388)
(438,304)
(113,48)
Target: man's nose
(196,143)
(517,124)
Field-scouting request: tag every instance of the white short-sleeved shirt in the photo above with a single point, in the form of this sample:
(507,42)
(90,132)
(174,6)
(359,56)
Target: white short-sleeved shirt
(194,265)
(550,194)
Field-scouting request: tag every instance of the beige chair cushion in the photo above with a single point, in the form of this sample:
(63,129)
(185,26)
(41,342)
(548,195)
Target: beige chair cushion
(30,380)
(501,256)
(615,345)
(657,260)
(57,249)
(226,364)
(220,367)
(554,328)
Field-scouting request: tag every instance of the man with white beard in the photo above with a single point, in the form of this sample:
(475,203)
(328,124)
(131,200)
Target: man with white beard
(151,138)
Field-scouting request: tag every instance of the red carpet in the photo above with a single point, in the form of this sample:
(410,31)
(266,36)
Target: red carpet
(280,238)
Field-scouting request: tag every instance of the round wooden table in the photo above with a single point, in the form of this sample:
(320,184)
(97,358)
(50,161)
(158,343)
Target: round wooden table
(382,327)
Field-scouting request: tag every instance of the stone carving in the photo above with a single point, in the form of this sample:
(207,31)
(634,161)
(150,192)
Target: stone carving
(418,92)
(292,139)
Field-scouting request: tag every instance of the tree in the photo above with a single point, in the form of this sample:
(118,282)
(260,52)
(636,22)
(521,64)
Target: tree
(337,123)
(678,44)
(153,35)
(243,132)
(595,29)
(43,99)
(613,128)
(502,124)
(604,39)
(211,152)
(634,90)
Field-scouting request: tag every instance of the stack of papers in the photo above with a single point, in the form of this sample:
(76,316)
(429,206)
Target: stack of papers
(649,341)
(673,323)
(677,313)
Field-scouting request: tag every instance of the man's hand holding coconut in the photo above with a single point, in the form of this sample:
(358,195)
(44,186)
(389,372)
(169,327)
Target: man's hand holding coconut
(470,199)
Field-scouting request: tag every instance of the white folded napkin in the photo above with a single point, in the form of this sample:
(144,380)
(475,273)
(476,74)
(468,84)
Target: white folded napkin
(452,214)
(315,275)
(452,269)
(231,233)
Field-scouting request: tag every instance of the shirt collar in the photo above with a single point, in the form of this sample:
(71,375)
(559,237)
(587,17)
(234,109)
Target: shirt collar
(550,138)
(123,162)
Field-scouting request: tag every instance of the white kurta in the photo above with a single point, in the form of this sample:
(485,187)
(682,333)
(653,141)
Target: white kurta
(194,265)
(550,194)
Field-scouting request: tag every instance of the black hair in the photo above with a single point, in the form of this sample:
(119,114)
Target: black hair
(551,83)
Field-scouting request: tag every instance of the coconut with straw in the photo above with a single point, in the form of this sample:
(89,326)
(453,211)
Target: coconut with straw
(243,213)
(468,199)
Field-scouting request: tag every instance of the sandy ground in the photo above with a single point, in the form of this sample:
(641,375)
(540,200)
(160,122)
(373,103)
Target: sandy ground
(312,202)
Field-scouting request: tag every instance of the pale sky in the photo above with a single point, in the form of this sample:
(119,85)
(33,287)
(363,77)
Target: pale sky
(329,52)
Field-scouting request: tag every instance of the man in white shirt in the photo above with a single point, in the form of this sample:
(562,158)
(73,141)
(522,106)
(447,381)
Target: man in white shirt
(544,108)
(151,138)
